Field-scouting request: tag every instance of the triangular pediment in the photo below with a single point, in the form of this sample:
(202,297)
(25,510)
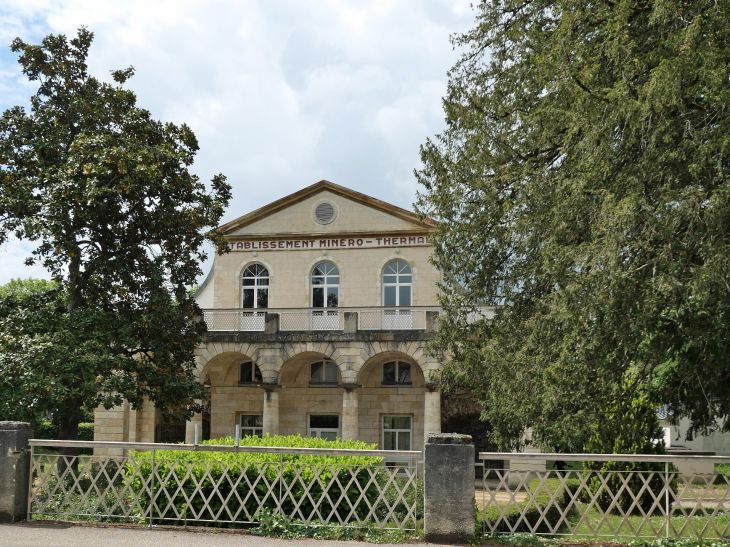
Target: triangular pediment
(352,212)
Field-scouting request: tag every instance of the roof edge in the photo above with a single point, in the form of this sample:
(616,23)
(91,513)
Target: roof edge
(316,188)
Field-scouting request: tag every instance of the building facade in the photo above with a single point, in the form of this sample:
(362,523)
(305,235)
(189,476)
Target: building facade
(318,321)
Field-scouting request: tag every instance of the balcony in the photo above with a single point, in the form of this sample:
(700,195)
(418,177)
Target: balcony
(347,320)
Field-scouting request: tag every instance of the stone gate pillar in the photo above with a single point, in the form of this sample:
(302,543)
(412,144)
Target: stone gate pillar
(14,470)
(449,514)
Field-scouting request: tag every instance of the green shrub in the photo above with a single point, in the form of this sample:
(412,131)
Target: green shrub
(532,509)
(306,479)
(49,430)
(628,429)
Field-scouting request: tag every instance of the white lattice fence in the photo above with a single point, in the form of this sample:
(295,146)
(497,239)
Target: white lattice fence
(234,320)
(149,488)
(657,502)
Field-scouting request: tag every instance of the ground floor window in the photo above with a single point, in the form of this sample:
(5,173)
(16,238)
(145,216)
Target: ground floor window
(396,432)
(252,425)
(324,426)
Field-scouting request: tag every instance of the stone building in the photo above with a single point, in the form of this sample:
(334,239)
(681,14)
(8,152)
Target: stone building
(317,321)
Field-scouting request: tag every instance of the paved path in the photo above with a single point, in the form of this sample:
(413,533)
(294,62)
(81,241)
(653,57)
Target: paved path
(71,535)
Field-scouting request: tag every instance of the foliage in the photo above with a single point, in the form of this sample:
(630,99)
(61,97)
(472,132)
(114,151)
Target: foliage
(638,432)
(305,480)
(48,430)
(20,288)
(678,543)
(581,184)
(275,525)
(105,192)
(530,540)
(541,509)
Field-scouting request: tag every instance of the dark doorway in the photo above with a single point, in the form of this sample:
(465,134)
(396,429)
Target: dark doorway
(460,413)
(206,426)
(170,433)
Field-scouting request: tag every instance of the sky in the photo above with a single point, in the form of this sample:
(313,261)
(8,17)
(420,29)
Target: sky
(280,93)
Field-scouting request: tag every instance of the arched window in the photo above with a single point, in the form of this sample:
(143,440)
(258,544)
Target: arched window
(255,287)
(323,373)
(250,373)
(325,286)
(396,373)
(397,284)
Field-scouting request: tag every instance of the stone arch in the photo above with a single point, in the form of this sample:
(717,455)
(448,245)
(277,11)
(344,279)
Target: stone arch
(267,358)
(414,349)
(295,371)
(370,374)
(221,368)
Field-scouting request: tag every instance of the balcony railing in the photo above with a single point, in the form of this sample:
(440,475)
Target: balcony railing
(331,319)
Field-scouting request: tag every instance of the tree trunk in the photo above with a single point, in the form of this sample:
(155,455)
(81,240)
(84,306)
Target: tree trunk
(68,430)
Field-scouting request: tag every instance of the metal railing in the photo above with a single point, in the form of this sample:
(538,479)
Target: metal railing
(222,484)
(329,319)
(649,498)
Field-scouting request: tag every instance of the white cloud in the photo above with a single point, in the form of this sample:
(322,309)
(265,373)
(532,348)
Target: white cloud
(280,94)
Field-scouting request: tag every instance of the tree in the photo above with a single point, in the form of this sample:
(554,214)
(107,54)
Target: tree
(581,185)
(26,287)
(633,429)
(105,192)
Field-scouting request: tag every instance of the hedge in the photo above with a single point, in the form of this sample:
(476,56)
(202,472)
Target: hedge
(532,509)
(48,430)
(172,479)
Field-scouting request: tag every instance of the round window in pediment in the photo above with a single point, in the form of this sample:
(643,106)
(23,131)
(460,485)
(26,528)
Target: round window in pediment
(324,213)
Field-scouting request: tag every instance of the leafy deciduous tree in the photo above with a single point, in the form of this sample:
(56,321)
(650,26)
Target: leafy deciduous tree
(105,192)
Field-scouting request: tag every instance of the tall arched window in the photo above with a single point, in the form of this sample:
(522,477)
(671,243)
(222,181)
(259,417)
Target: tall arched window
(325,294)
(255,287)
(325,286)
(397,284)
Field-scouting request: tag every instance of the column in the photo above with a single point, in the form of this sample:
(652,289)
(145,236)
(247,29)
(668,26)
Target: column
(350,415)
(271,412)
(132,426)
(190,428)
(431,413)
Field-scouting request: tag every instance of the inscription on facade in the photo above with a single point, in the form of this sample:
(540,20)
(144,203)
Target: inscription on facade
(341,243)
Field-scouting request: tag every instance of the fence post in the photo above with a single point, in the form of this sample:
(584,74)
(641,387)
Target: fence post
(449,505)
(666,495)
(14,470)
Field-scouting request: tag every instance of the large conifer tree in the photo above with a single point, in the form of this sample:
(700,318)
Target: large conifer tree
(582,184)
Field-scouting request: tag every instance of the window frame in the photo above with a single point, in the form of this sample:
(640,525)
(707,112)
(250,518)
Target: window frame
(256,287)
(240,423)
(255,368)
(320,430)
(325,286)
(397,382)
(398,284)
(383,417)
(324,382)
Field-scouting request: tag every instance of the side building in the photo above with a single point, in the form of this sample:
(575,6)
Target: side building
(318,321)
